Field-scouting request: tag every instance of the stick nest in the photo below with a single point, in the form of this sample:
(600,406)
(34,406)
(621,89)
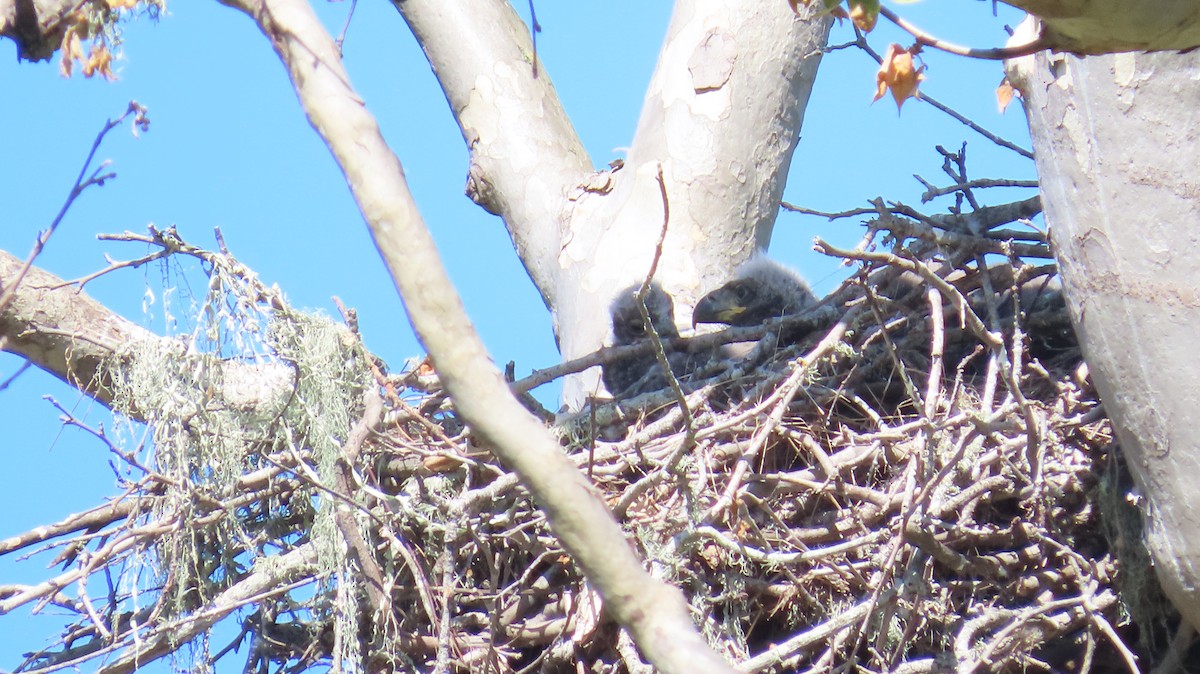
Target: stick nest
(916,476)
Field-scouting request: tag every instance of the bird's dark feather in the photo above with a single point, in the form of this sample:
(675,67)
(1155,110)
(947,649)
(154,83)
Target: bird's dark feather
(634,375)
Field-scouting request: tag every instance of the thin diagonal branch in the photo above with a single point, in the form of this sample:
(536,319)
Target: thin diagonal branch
(654,612)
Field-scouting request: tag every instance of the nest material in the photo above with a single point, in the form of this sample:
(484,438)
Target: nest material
(915,477)
(894,493)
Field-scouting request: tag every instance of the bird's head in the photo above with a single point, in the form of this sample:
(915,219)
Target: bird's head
(761,289)
(627,324)
(739,302)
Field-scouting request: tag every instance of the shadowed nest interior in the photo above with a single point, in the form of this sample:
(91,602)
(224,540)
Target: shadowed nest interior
(913,476)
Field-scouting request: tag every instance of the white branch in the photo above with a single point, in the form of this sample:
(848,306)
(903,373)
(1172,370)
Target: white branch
(525,156)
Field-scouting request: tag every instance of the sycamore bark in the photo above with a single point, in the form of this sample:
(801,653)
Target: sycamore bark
(1116,139)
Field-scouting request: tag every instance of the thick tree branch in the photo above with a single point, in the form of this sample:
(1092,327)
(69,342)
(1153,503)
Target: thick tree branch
(525,155)
(654,613)
(1107,26)
(65,332)
(1122,217)
(62,330)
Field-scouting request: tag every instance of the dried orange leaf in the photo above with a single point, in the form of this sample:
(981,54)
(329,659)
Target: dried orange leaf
(1005,93)
(71,49)
(864,14)
(99,61)
(426,369)
(899,74)
(441,463)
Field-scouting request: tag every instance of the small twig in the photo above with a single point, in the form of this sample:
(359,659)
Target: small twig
(534,29)
(341,38)
(955,166)
(933,382)
(1100,623)
(810,320)
(81,183)
(934,192)
(854,212)
(994,54)
(659,352)
(15,375)
(779,656)
(960,303)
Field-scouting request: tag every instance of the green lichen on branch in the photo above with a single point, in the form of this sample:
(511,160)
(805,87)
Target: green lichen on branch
(254,388)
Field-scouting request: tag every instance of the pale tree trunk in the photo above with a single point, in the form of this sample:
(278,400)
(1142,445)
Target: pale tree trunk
(720,122)
(721,119)
(1117,140)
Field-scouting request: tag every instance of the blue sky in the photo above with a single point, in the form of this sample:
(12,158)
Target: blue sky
(229,147)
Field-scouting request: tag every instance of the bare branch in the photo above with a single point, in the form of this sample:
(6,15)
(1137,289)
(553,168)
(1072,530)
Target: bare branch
(62,331)
(962,119)
(97,177)
(994,54)
(163,640)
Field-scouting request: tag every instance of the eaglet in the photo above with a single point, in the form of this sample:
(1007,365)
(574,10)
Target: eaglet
(761,289)
(634,375)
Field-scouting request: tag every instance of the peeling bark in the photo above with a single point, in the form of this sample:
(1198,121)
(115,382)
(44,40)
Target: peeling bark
(721,119)
(525,156)
(1116,139)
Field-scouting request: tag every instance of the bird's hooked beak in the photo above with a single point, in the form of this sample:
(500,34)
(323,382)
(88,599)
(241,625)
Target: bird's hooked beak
(720,306)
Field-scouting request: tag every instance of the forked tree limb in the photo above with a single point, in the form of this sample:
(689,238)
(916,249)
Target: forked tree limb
(654,612)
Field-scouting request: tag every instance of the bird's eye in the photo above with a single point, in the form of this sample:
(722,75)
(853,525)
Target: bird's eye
(743,293)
